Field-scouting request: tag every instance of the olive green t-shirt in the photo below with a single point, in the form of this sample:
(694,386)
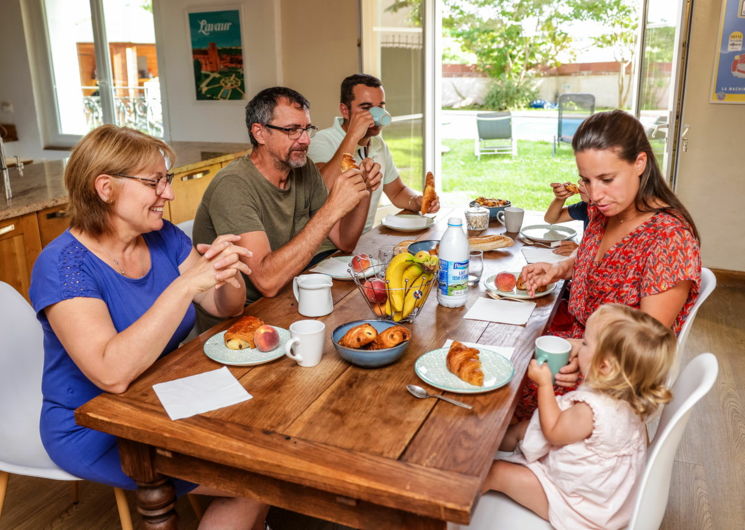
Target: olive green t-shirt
(240,199)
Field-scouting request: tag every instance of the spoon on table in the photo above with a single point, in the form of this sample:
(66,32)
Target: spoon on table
(419,392)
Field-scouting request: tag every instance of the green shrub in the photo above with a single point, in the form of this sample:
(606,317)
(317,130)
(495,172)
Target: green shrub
(507,94)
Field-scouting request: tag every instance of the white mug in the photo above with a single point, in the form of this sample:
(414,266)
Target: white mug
(307,339)
(511,218)
(313,294)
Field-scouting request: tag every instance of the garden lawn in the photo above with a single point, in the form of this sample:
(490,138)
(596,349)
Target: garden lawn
(524,179)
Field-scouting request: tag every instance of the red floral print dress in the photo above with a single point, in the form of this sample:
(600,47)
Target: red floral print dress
(652,259)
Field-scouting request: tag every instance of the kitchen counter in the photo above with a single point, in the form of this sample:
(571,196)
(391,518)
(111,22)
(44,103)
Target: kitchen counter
(42,184)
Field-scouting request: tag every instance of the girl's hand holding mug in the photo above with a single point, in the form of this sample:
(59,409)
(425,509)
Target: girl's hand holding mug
(540,373)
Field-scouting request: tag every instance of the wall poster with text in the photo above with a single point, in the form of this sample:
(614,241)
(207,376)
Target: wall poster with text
(217,54)
(728,83)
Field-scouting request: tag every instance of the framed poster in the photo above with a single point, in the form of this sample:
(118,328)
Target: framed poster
(728,82)
(217,54)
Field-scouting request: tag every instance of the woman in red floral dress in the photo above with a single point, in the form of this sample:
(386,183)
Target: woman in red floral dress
(640,249)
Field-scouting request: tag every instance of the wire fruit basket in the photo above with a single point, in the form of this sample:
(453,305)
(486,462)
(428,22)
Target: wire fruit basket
(400,304)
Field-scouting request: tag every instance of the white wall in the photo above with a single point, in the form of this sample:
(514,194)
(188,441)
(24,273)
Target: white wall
(216,121)
(309,45)
(711,175)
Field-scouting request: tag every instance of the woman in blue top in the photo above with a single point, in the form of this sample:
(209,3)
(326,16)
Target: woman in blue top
(115,292)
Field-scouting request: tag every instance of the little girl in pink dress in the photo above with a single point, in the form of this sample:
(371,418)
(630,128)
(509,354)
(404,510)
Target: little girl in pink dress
(580,454)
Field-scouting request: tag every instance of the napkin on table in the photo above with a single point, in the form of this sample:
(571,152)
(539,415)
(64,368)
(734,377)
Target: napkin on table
(199,393)
(505,351)
(504,311)
(333,266)
(538,254)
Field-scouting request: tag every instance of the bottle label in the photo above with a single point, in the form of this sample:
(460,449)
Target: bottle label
(452,279)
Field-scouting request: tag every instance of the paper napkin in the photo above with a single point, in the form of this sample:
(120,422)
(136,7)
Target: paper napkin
(199,393)
(506,351)
(504,311)
(333,266)
(539,254)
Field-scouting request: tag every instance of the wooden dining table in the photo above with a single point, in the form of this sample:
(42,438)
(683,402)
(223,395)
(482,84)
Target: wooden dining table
(338,442)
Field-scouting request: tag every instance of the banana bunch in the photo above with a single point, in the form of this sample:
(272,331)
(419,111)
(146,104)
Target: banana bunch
(407,276)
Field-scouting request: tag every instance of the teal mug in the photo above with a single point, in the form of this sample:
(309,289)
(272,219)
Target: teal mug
(554,351)
(381,117)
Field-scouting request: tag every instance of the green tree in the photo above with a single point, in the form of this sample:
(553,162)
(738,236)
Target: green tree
(620,20)
(511,39)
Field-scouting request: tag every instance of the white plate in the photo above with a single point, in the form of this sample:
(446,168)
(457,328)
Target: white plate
(216,350)
(548,233)
(407,223)
(491,285)
(338,268)
(432,369)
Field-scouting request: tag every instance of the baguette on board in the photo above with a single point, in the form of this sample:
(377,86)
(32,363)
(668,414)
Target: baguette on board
(490,242)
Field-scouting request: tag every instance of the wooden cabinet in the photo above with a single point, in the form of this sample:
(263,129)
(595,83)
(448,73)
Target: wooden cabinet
(188,188)
(20,244)
(52,222)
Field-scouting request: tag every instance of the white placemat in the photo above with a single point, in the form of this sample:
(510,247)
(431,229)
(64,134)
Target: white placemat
(506,351)
(199,393)
(541,255)
(504,311)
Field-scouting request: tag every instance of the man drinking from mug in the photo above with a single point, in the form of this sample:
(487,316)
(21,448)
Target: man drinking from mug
(357,132)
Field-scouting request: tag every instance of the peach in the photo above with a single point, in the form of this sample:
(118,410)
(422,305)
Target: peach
(361,262)
(505,281)
(266,338)
(375,290)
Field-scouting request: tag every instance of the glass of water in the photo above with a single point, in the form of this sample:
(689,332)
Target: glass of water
(475,266)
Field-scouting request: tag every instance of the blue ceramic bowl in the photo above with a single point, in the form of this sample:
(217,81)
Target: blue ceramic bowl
(492,211)
(368,358)
(424,244)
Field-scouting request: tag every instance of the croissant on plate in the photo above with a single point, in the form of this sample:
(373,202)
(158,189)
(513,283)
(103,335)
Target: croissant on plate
(359,336)
(465,363)
(240,335)
(390,337)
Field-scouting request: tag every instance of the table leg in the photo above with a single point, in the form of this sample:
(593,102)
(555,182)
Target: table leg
(156,503)
(156,496)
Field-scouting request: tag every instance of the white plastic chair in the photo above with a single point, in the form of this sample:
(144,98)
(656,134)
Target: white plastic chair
(708,284)
(187,227)
(497,511)
(21,363)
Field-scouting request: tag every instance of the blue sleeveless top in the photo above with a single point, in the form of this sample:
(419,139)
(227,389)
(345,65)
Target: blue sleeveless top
(66,269)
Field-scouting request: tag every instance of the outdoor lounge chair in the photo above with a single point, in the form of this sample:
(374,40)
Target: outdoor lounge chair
(494,134)
(573,109)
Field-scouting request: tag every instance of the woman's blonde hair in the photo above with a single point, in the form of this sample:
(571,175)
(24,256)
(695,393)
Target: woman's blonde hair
(107,149)
(638,352)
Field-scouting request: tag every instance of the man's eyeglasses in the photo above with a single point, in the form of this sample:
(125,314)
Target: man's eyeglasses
(159,184)
(295,132)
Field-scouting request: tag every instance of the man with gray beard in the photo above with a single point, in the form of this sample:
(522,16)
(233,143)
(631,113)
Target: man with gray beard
(275,198)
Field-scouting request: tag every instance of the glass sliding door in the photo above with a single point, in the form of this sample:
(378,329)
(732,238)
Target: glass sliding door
(103,66)
(659,62)
(393,50)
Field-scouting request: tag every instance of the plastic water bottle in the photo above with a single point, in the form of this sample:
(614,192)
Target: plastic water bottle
(452,280)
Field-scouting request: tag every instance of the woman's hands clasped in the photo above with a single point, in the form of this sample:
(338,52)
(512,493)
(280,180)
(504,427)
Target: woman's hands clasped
(220,263)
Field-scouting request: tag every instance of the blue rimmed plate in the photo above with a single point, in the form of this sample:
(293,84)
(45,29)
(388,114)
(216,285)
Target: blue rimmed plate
(216,350)
(432,369)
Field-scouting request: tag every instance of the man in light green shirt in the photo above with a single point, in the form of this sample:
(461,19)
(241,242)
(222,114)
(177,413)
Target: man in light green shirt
(356,133)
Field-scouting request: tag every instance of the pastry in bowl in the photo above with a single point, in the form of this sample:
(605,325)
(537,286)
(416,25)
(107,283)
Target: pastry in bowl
(386,348)
(359,336)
